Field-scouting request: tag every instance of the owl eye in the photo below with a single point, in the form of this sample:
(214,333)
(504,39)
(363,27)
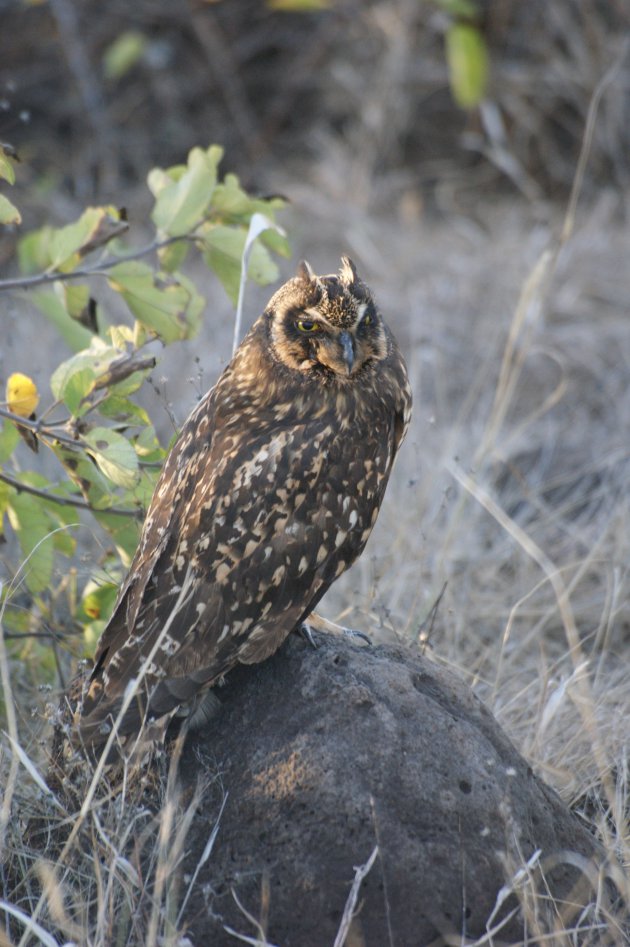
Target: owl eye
(308,325)
(367,319)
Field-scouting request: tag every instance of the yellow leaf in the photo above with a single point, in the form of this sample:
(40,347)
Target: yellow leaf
(22,395)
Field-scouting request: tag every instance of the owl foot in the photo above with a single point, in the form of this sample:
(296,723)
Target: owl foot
(315,622)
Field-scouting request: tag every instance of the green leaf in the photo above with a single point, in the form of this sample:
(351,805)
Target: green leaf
(124,532)
(172,256)
(182,204)
(118,408)
(168,304)
(299,6)
(121,336)
(9,439)
(33,529)
(467,58)
(6,492)
(148,446)
(235,205)
(34,251)
(114,455)
(276,241)
(95,227)
(64,540)
(84,473)
(224,250)
(96,358)
(98,599)
(76,388)
(9,214)
(121,55)
(73,296)
(7,171)
(75,335)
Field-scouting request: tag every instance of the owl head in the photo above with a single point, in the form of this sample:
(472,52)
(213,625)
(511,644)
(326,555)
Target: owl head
(326,325)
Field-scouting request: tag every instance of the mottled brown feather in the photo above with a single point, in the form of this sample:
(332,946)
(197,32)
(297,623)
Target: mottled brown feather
(269,493)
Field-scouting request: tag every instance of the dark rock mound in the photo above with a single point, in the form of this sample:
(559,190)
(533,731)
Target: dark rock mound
(324,754)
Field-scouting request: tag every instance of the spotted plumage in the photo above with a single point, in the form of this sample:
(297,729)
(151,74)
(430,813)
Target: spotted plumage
(268,495)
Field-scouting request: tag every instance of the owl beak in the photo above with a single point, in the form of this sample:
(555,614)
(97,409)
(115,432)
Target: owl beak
(348,350)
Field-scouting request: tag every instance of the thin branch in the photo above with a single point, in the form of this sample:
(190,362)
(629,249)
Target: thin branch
(62,501)
(41,279)
(37,428)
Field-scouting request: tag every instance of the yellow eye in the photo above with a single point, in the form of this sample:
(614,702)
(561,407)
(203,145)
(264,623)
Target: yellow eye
(308,325)
(366,320)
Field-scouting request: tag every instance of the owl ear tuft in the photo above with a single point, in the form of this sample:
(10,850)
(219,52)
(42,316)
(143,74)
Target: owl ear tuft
(348,271)
(305,272)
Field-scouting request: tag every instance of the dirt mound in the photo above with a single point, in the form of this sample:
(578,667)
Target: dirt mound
(319,756)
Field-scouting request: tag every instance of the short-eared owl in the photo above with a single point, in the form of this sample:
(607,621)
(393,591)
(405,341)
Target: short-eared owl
(269,493)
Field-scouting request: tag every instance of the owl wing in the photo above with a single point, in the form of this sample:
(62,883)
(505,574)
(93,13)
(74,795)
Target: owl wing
(169,496)
(258,530)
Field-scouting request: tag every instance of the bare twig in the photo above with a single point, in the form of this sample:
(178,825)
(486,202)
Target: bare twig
(62,501)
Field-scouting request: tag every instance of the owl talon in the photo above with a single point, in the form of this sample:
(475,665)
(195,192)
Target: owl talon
(352,633)
(306,632)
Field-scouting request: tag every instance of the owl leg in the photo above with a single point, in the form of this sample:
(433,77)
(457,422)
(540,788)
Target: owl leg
(315,622)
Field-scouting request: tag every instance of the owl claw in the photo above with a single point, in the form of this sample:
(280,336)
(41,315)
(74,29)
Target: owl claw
(316,623)
(352,633)
(306,632)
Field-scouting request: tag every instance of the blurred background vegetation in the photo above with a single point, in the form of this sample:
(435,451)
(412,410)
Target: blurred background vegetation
(94,94)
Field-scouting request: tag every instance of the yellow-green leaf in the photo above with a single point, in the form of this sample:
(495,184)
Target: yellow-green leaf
(299,6)
(34,250)
(124,532)
(9,214)
(169,305)
(96,358)
(74,297)
(7,171)
(121,55)
(98,599)
(234,205)
(223,252)
(173,255)
(76,388)
(33,530)
(181,204)
(9,439)
(114,455)
(95,227)
(467,58)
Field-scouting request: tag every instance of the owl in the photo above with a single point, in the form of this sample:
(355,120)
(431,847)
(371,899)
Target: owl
(268,495)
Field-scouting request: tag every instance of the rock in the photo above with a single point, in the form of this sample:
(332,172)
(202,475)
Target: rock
(321,755)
